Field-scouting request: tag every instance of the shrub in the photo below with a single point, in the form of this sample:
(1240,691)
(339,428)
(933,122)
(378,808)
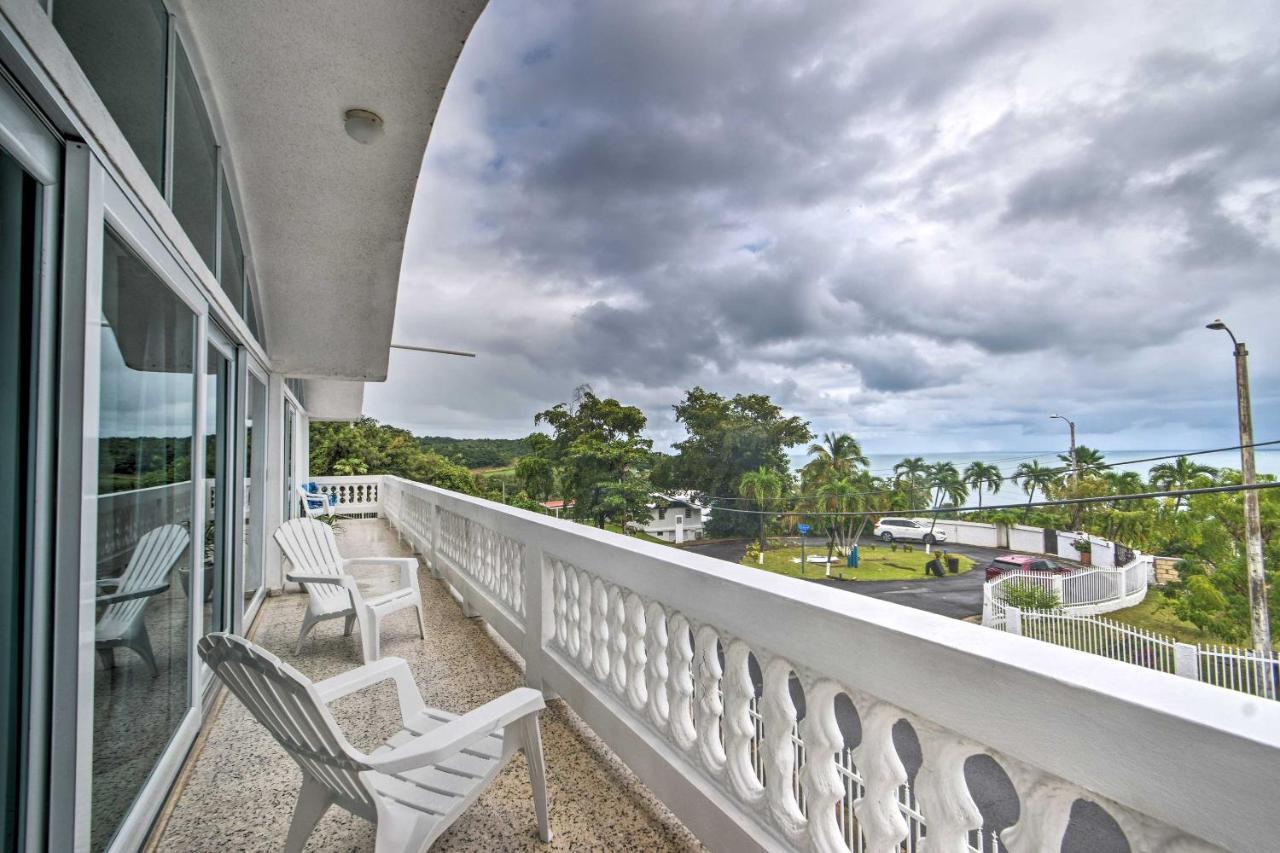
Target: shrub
(1029,597)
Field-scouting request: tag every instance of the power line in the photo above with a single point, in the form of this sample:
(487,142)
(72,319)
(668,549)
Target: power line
(1047,471)
(1167,493)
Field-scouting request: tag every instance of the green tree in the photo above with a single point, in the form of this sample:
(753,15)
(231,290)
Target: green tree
(763,487)
(726,439)
(365,446)
(837,455)
(983,476)
(1034,476)
(913,474)
(1089,462)
(536,476)
(1180,474)
(602,457)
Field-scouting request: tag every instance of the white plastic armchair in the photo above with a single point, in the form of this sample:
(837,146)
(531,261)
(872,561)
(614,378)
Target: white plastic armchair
(414,785)
(125,599)
(315,504)
(333,592)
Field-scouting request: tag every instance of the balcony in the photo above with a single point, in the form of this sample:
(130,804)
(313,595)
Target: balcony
(702,701)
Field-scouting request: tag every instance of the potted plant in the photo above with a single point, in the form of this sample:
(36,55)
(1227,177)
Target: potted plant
(1085,548)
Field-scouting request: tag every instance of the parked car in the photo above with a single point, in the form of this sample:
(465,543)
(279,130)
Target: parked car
(891,529)
(1023,563)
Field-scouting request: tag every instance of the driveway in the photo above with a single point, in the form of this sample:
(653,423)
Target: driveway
(957,596)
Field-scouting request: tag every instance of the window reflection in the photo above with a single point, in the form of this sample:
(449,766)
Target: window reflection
(218,498)
(146,424)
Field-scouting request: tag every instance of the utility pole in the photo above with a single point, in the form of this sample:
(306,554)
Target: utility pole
(1258,616)
(1075,471)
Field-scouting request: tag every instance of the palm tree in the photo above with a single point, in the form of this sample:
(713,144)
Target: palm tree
(1089,462)
(763,487)
(837,455)
(1182,473)
(946,482)
(982,475)
(1033,475)
(910,471)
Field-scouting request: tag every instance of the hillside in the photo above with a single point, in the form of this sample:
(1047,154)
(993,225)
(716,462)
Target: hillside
(476,452)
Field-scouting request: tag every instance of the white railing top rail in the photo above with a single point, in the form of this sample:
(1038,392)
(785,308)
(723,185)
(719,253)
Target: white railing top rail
(997,690)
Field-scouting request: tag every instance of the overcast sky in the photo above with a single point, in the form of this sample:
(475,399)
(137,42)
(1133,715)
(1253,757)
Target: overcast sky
(930,225)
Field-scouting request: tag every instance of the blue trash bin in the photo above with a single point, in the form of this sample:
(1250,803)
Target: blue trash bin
(853,557)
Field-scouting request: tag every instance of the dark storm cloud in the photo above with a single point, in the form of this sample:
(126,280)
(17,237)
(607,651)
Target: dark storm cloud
(864,208)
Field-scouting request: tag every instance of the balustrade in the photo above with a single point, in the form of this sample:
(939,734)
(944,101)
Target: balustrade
(692,670)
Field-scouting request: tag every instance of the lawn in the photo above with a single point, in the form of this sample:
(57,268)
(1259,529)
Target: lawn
(877,564)
(1155,614)
(635,534)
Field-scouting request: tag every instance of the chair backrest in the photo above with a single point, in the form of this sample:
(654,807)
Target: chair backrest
(282,700)
(312,549)
(152,560)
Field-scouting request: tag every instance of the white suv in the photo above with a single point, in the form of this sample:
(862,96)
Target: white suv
(890,529)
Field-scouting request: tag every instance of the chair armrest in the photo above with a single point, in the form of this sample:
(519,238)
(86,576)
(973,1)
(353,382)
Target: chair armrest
(408,567)
(411,703)
(456,735)
(118,597)
(106,582)
(334,580)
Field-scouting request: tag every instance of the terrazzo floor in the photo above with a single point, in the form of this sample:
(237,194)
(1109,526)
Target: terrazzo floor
(240,792)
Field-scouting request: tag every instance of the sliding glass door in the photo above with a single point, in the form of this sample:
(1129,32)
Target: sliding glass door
(29,166)
(255,477)
(146,428)
(219,491)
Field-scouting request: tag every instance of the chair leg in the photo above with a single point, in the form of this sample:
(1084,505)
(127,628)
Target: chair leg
(307,624)
(369,636)
(313,801)
(531,742)
(140,642)
(400,829)
(347,624)
(107,655)
(422,626)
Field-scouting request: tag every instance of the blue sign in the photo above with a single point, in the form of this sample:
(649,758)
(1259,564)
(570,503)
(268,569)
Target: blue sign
(803,528)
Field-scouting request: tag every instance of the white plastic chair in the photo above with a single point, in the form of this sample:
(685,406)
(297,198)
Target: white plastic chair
(333,592)
(123,621)
(315,504)
(415,784)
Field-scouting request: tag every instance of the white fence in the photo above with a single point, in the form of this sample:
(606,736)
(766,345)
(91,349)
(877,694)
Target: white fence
(1085,592)
(1031,540)
(652,647)
(356,495)
(1241,670)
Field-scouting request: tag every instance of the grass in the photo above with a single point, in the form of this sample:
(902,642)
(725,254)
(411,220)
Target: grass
(876,564)
(501,471)
(1155,614)
(637,534)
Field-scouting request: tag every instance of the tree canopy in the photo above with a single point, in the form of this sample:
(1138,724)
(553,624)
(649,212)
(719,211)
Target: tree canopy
(727,437)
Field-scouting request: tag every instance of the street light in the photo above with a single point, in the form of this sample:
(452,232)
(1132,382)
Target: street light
(1075,473)
(1252,522)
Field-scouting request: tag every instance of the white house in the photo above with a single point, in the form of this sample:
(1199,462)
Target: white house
(676,517)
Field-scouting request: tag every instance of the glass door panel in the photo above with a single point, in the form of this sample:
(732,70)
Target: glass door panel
(20,225)
(146,428)
(219,488)
(255,473)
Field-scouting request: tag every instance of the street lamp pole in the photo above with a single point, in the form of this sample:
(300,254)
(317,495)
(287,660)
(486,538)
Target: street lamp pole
(1075,471)
(1258,616)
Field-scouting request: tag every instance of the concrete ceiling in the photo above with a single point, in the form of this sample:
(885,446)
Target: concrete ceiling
(326,216)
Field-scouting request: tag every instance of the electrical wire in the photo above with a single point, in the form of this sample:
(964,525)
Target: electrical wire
(1166,493)
(1014,477)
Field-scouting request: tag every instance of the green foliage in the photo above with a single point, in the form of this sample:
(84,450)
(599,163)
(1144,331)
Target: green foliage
(1203,605)
(368,447)
(1029,597)
(477,452)
(536,475)
(602,458)
(763,488)
(726,439)
(126,463)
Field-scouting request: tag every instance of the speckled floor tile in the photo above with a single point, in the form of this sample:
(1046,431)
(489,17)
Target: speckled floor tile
(240,791)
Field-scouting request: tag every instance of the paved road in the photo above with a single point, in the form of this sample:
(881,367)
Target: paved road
(1091,830)
(957,596)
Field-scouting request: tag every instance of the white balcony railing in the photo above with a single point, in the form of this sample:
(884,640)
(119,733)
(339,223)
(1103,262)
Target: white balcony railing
(667,655)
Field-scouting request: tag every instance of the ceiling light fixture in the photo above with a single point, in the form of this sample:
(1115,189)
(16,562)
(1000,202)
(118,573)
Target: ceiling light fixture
(364,126)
